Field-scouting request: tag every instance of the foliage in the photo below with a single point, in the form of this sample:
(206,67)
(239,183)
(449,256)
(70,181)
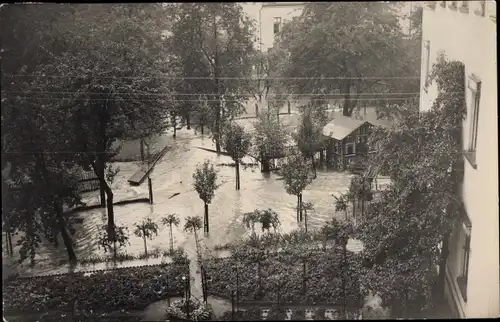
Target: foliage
(213,44)
(309,136)
(125,288)
(198,311)
(193,224)
(402,230)
(205,181)
(251,314)
(295,174)
(267,218)
(171,220)
(340,203)
(145,230)
(325,282)
(108,240)
(236,142)
(269,138)
(360,43)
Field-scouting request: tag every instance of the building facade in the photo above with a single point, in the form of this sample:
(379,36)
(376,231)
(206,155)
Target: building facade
(272,16)
(465,31)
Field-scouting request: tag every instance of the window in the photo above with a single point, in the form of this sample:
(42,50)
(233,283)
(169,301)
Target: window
(427,47)
(349,149)
(465,255)
(277,23)
(474,88)
(480,8)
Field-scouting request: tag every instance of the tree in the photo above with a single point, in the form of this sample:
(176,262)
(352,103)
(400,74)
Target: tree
(250,219)
(412,219)
(171,220)
(110,242)
(104,93)
(213,44)
(268,218)
(309,137)
(205,183)
(237,143)
(40,182)
(269,139)
(193,224)
(341,204)
(145,230)
(351,49)
(305,207)
(295,174)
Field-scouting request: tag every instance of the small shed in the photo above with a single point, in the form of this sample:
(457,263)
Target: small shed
(348,140)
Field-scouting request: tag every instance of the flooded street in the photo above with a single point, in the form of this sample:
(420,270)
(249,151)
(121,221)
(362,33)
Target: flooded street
(173,175)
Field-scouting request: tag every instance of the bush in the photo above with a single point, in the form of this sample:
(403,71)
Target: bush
(198,311)
(324,282)
(125,288)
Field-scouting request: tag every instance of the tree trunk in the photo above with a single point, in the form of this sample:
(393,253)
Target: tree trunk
(188,120)
(171,238)
(67,241)
(313,166)
(175,126)
(141,147)
(145,245)
(202,128)
(217,89)
(237,175)
(265,164)
(257,108)
(206,219)
(322,157)
(354,208)
(100,175)
(289,108)
(300,208)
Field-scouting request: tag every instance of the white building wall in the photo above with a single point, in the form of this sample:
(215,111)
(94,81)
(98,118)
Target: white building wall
(269,10)
(471,39)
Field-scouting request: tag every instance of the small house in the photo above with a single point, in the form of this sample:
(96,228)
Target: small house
(347,140)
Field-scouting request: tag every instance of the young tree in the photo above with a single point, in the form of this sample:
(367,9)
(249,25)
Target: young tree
(145,230)
(192,225)
(341,204)
(269,139)
(214,46)
(110,242)
(237,143)
(333,43)
(250,219)
(309,137)
(268,218)
(423,157)
(305,207)
(205,183)
(296,178)
(171,220)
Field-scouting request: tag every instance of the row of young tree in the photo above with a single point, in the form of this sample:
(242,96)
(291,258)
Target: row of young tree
(77,79)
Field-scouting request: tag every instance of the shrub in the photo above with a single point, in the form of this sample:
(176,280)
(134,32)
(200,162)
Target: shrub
(124,288)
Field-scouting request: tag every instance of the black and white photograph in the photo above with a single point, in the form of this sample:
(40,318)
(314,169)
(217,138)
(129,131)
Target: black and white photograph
(249,161)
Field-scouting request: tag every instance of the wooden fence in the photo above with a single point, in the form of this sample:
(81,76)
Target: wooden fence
(88,182)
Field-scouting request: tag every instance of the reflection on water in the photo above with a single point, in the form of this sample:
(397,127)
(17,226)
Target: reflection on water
(172,175)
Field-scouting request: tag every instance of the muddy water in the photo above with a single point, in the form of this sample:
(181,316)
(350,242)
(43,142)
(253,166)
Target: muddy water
(173,175)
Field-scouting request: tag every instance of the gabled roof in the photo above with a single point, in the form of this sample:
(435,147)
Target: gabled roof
(341,126)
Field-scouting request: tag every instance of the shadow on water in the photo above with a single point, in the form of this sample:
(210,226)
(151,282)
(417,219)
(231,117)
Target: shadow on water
(174,193)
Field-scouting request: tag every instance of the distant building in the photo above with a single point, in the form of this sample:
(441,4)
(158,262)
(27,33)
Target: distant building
(272,16)
(465,31)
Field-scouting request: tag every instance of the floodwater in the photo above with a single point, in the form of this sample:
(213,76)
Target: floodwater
(173,175)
